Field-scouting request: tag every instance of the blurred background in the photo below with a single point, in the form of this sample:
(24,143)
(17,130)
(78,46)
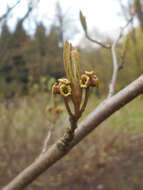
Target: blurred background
(32,35)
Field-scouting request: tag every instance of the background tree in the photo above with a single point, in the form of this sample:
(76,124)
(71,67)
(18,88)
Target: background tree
(138,9)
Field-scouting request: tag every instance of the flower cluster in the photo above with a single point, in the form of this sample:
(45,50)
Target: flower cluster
(72,87)
(63,87)
(76,80)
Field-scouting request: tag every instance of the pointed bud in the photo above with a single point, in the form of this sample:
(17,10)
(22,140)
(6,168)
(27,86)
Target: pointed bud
(83,22)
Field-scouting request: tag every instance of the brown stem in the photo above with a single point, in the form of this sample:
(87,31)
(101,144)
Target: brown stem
(85,101)
(68,107)
(65,141)
(69,134)
(97,42)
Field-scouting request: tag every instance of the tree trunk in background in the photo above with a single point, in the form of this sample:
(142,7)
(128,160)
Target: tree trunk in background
(139,12)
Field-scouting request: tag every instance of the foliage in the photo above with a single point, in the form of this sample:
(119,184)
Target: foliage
(25,60)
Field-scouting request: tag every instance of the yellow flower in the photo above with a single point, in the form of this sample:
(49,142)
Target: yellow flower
(85,81)
(65,90)
(64,81)
(62,86)
(93,78)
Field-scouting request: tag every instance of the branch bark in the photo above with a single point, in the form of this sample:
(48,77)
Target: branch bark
(103,111)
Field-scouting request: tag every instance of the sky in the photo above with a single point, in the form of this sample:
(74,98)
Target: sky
(103,15)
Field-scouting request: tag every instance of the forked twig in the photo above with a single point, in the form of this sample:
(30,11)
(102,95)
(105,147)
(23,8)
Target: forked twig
(5,15)
(116,66)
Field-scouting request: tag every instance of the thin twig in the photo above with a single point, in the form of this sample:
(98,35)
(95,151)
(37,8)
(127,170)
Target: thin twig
(50,130)
(5,15)
(47,140)
(116,66)
(85,101)
(97,42)
(29,10)
(115,69)
(68,107)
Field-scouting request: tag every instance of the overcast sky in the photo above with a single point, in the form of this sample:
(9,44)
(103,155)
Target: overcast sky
(102,15)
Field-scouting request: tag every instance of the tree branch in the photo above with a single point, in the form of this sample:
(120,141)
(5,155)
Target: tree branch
(85,101)
(29,10)
(116,66)
(84,26)
(103,111)
(51,125)
(68,107)
(5,15)
(97,42)
(47,139)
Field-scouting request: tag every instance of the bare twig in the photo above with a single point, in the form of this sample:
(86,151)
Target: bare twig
(112,47)
(84,26)
(29,10)
(115,69)
(5,15)
(116,66)
(127,24)
(103,111)
(47,140)
(68,107)
(51,125)
(85,101)
(97,42)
